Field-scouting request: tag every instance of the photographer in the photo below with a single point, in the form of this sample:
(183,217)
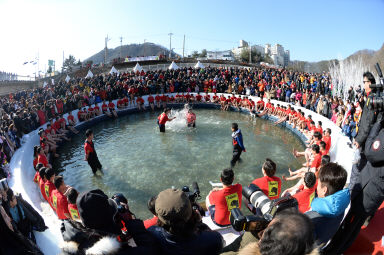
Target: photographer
(180,230)
(368,116)
(366,195)
(100,231)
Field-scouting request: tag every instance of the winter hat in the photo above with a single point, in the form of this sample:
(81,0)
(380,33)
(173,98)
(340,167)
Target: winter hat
(97,211)
(172,205)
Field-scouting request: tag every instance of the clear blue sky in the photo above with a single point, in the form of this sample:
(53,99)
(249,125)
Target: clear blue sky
(311,30)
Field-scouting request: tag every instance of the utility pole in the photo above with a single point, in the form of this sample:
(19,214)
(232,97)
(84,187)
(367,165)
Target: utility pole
(183,46)
(121,46)
(170,45)
(250,53)
(106,49)
(62,67)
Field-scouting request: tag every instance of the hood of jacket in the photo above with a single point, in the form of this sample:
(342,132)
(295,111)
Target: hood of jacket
(106,245)
(332,205)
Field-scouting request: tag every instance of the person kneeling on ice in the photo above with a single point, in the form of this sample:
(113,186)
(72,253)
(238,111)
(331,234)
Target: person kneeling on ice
(191,118)
(100,230)
(220,201)
(163,118)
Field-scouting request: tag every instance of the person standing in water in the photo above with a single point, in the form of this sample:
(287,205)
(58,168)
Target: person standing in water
(163,118)
(237,141)
(191,118)
(90,153)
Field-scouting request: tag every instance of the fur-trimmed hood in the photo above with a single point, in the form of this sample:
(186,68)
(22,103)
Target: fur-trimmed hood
(106,245)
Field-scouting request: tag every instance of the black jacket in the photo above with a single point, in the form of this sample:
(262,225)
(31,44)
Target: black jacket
(368,118)
(203,242)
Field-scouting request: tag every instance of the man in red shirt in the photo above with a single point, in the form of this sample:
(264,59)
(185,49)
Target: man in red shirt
(58,200)
(120,104)
(140,103)
(207,98)
(42,181)
(111,107)
(306,192)
(72,195)
(163,118)
(198,97)
(327,139)
(41,158)
(220,202)
(157,98)
(90,153)
(269,184)
(49,186)
(151,101)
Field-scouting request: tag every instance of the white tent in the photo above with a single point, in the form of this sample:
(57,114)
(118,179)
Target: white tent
(173,66)
(137,68)
(89,74)
(114,71)
(67,79)
(199,65)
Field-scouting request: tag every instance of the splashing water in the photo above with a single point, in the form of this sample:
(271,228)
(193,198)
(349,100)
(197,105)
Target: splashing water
(346,74)
(180,123)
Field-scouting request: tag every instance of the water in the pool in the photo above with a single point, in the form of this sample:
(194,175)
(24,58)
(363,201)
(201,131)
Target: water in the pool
(139,162)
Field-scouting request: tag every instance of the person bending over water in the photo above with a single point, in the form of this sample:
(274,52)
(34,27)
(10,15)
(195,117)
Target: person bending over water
(163,118)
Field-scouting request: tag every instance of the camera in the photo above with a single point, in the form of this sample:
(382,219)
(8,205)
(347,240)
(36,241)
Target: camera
(122,206)
(376,99)
(262,207)
(192,195)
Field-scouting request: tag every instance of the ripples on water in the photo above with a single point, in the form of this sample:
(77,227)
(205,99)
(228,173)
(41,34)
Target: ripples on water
(139,162)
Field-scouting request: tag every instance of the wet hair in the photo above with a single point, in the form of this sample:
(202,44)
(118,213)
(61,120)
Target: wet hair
(151,205)
(59,180)
(49,173)
(323,144)
(235,126)
(316,148)
(318,135)
(370,77)
(325,159)
(333,176)
(227,176)
(290,234)
(42,172)
(309,179)
(39,166)
(72,195)
(88,133)
(269,167)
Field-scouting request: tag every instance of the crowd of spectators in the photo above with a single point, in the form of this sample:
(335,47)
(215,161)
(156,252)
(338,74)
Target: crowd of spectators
(178,228)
